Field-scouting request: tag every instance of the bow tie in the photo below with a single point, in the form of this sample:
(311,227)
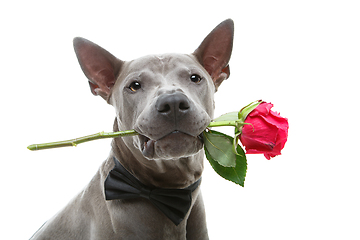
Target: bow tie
(174,203)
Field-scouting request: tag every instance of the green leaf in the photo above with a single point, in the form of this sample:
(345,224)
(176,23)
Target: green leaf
(231,116)
(235,174)
(220,147)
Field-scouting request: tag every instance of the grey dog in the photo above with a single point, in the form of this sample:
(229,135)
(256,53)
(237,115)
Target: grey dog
(169,100)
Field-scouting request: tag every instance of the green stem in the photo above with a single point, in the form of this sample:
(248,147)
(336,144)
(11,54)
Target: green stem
(101,135)
(76,141)
(222,124)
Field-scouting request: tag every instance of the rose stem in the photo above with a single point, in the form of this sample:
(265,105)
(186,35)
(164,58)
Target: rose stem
(101,135)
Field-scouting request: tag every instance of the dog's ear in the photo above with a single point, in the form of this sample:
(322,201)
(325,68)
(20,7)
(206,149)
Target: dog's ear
(215,51)
(98,65)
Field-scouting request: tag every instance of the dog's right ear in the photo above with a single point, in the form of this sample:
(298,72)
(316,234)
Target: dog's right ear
(98,65)
(215,51)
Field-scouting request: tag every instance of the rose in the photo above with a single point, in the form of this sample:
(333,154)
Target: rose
(266,131)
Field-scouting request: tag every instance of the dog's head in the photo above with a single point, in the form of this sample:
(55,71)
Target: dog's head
(168,99)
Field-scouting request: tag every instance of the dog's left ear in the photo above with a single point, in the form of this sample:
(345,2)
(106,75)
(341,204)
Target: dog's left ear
(215,51)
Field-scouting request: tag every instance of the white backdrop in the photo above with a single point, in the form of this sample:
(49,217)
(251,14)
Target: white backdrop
(303,56)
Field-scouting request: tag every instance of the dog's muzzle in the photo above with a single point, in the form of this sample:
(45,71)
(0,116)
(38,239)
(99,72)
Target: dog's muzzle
(173,145)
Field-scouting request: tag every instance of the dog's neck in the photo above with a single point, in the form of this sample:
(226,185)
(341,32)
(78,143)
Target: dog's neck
(176,173)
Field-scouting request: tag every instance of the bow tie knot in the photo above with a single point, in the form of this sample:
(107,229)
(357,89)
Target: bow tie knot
(174,203)
(145,193)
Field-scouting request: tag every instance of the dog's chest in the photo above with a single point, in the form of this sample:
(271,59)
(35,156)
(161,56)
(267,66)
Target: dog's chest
(146,221)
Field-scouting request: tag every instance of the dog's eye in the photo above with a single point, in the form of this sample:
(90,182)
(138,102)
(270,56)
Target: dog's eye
(195,78)
(134,86)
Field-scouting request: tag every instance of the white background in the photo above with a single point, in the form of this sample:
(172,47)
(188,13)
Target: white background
(303,56)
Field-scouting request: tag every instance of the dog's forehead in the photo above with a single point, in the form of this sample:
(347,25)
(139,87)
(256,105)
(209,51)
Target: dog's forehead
(163,63)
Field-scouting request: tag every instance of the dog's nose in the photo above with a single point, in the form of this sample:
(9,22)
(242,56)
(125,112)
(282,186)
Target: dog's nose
(172,104)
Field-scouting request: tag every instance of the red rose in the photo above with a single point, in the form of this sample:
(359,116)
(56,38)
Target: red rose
(267,133)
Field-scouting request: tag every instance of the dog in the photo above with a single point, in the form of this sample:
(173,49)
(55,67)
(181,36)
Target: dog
(169,100)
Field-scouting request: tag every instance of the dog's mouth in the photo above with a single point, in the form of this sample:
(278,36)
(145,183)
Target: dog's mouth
(173,145)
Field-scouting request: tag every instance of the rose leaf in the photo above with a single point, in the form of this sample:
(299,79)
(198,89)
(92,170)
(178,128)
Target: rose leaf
(220,148)
(235,174)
